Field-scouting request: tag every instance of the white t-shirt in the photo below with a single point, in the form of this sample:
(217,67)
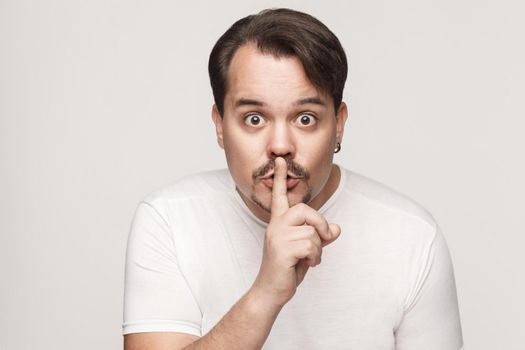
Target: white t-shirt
(386,283)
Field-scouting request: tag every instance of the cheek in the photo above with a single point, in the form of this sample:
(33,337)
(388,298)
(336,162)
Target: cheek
(243,157)
(317,156)
(241,150)
(316,151)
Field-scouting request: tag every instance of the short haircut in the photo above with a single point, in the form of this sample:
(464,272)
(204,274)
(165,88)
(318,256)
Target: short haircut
(283,33)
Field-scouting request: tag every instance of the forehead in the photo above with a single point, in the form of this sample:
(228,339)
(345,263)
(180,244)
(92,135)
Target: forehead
(265,77)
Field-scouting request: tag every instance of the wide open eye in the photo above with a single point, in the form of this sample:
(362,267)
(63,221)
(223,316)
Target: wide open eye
(255,120)
(305,119)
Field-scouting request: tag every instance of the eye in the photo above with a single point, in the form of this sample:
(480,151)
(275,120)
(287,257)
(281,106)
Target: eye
(305,119)
(254,120)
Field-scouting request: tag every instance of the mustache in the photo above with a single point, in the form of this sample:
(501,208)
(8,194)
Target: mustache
(294,168)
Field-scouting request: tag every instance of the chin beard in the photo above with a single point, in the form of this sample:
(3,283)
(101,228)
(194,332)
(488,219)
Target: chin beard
(306,199)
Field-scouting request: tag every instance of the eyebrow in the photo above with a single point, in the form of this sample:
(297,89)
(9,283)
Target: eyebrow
(311,100)
(248,102)
(303,101)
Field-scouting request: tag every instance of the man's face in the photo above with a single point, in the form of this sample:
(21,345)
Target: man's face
(272,110)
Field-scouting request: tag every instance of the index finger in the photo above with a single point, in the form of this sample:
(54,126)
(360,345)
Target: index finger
(279,190)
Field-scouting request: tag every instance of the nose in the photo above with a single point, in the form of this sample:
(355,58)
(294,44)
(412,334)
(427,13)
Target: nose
(281,142)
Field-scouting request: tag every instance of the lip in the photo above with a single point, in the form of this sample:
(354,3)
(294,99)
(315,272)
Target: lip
(291,182)
(288,176)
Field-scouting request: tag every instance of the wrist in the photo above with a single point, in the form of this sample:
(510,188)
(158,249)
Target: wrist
(261,299)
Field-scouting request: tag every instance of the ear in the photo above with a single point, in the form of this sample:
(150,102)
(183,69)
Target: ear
(217,120)
(341,116)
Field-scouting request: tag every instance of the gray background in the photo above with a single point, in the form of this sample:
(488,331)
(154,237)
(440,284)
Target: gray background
(103,101)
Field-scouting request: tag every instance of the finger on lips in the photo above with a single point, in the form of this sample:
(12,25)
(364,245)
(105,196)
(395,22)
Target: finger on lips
(300,214)
(279,190)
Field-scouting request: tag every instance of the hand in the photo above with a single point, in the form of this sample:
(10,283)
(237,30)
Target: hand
(293,242)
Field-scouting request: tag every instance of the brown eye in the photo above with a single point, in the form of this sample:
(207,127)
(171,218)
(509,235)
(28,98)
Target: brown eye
(254,120)
(306,120)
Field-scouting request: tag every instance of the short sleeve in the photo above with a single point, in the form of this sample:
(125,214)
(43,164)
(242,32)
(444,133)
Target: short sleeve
(156,295)
(431,320)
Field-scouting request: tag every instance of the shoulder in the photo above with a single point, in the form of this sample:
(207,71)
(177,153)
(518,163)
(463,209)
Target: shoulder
(392,224)
(386,198)
(384,215)
(204,184)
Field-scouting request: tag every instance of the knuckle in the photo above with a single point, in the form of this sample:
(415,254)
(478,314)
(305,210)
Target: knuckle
(311,231)
(271,243)
(303,208)
(311,247)
(301,205)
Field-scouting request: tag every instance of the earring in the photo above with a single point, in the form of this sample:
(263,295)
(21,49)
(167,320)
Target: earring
(337,148)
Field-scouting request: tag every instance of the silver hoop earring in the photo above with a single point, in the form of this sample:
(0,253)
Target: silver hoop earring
(337,148)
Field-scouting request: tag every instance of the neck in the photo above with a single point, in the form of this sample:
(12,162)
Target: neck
(328,190)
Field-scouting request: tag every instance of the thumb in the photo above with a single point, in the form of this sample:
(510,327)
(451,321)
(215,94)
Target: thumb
(335,232)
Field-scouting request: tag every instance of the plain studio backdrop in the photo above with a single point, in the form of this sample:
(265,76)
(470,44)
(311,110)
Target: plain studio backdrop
(102,102)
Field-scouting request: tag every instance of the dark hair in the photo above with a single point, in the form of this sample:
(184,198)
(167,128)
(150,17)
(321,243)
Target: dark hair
(283,32)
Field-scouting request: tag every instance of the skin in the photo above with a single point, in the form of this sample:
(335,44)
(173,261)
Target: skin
(276,93)
(278,125)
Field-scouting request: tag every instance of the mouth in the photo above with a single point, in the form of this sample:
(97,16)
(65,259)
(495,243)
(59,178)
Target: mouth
(291,181)
(295,174)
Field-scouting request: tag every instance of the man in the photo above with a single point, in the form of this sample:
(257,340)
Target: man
(232,259)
